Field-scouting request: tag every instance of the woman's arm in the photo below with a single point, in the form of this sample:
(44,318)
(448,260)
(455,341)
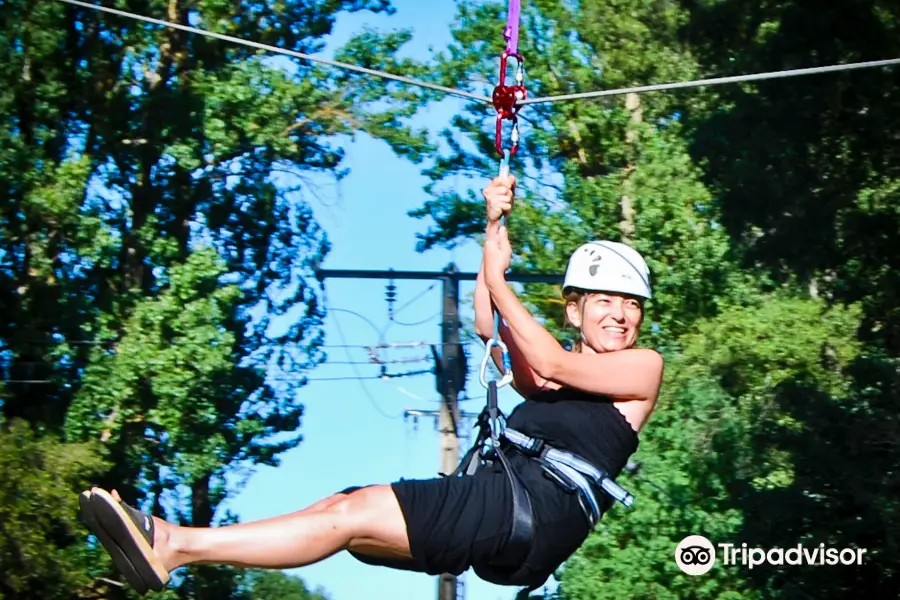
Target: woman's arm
(499,196)
(633,374)
(525,380)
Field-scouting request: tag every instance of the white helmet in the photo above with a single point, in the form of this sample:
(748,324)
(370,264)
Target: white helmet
(604,266)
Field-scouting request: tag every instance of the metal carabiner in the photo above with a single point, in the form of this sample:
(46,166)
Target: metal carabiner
(514,135)
(507,376)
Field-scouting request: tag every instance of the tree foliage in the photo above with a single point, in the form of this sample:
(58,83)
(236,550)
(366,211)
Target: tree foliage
(764,211)
(156,237)
(42,552)
(275,585)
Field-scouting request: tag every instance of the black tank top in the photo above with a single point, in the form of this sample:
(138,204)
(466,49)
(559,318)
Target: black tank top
(585,424)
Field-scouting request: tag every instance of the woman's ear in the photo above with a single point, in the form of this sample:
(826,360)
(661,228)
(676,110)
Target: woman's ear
(573,314)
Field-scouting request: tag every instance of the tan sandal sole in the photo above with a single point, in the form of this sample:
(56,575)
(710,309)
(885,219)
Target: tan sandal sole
(136,535)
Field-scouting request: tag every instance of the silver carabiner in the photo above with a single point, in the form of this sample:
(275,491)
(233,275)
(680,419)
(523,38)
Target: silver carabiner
(507,376)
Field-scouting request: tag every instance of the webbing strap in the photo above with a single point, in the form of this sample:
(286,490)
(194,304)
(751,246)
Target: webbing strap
(472,459)
(511,33)
(519,543)
(569,463)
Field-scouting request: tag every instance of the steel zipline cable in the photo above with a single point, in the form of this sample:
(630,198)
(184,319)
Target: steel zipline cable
(714,81)
(472,96)
(277,50)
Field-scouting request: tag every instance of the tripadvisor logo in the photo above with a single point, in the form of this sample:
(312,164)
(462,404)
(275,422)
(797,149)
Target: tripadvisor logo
(696,555)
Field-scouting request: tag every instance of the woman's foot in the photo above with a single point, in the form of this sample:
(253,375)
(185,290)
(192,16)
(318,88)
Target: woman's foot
(130,537)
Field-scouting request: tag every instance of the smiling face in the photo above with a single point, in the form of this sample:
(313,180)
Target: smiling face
(608,321)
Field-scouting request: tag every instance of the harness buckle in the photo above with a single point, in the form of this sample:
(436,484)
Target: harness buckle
(534,449)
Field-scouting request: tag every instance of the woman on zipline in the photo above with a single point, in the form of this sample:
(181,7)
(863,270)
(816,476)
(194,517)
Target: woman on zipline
(588,404)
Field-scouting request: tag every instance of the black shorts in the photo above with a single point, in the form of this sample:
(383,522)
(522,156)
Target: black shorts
(454,523)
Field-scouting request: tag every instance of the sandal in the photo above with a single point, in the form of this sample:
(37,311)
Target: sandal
(127,535)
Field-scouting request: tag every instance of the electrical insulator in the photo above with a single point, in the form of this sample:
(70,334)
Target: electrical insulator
(391,296)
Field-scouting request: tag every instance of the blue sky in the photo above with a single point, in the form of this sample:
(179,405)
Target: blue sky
(354,432)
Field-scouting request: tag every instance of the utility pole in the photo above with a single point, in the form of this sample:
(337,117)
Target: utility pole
(451,367)
(452,378)
(452,372)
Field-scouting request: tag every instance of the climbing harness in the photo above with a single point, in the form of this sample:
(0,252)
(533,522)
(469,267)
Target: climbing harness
(572,471)
(508,568)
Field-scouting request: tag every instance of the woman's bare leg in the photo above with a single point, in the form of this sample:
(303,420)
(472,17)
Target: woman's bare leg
(368,519)
(321,505)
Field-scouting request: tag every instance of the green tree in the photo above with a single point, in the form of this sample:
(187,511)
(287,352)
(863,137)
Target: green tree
(807,176)
(42,552)
(156,239)
(806,170)
(765,211)
(277,585)
(730,454)
(611,169)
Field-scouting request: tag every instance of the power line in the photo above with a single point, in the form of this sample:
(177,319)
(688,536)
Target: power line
(284,51)
(418,344)
(414,298)
(713,81)
(279,378)
(372,361)
(378,361)
(512,276)
(356,377)
(365,390)
(377,346)
(407,304)
(415,323)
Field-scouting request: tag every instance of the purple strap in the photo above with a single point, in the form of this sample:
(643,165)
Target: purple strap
(511,33)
